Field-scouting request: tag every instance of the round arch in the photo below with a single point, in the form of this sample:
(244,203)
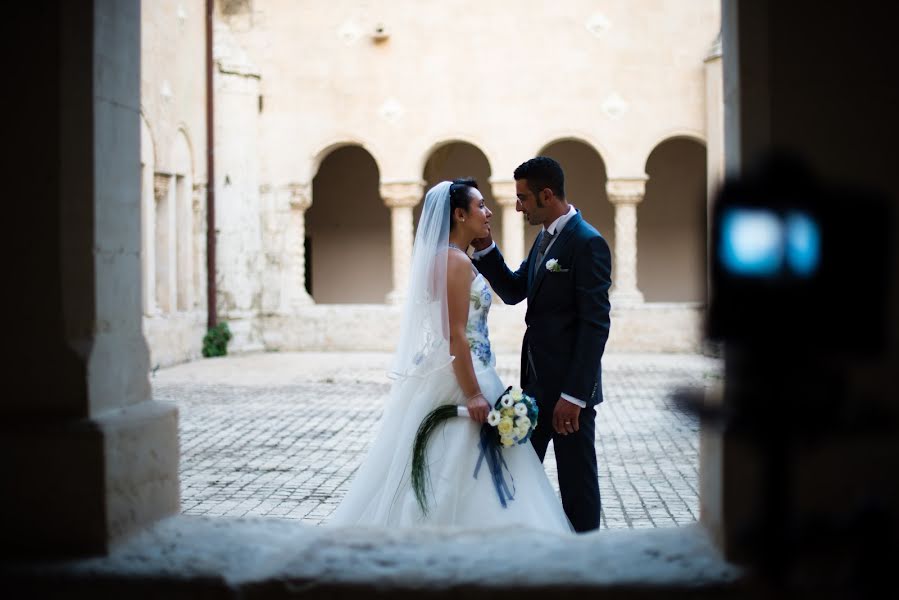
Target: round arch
(675,133)
(182,155)
(577,137)
(180,224)
(347,230)
(328,148)
(671,223)
(451,159)
(585,185)
(448,140)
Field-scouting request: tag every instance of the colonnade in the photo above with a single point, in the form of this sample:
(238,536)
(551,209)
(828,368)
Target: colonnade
(401,197)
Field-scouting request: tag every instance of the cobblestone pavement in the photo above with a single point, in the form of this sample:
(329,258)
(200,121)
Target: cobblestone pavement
(281,434)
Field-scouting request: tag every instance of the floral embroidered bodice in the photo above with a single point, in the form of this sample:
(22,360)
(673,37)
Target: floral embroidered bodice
(480,298)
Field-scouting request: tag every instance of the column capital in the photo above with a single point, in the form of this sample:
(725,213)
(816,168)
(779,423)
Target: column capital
(300,196)
(161,185)
(402,193)
(626,190)
(504,191)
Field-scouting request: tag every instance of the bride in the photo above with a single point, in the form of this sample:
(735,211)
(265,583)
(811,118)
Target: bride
(444,357)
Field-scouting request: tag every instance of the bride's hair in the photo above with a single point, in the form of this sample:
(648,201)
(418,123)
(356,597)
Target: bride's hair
(460,195)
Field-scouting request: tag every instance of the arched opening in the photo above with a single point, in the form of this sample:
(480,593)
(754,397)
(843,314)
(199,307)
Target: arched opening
(182,192)
(671,224)
(585,187)
(461,159)
(348,231)
(148,219)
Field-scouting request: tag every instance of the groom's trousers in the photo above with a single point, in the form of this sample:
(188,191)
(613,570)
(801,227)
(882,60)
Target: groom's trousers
(575,461)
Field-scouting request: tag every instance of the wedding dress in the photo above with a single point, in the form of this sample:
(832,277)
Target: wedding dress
(381,494)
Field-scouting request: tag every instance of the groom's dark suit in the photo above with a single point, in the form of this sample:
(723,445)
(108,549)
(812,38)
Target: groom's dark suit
(567,327)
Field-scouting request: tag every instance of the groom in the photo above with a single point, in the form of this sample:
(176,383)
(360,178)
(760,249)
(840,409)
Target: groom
(566,279)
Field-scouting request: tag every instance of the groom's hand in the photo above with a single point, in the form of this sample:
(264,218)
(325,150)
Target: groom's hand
(482,243)
(565,417)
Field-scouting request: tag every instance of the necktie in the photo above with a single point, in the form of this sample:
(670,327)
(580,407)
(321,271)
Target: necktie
(544,243)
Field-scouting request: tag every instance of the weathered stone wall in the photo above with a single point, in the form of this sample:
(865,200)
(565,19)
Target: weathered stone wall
(173,110)
(601,87)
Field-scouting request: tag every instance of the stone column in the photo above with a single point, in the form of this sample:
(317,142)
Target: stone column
(89,456)
(293,271)
(148,243)
(401,197)
(164,210)
(199,246)
(238,220)
(714,126)
(625,194)
(512,244)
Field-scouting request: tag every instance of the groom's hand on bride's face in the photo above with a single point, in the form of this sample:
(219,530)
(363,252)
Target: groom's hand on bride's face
(481,243)
(565,417)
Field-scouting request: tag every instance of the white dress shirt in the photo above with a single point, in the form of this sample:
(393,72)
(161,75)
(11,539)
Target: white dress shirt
(554,228)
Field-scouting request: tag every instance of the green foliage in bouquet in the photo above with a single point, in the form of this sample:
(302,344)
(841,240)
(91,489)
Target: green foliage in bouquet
(511,421)
(419,470)
(215,342)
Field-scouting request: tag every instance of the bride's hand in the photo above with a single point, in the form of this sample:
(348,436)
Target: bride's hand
(478,408)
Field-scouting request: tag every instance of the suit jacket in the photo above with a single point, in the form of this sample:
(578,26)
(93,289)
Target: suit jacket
(568,311)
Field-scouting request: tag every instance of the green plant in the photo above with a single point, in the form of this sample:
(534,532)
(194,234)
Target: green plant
(215,342)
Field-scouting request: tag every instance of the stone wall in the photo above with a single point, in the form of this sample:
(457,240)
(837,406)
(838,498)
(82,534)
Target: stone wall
(173,193)
(598,87)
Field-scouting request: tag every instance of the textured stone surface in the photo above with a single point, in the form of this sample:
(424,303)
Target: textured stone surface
(369,327)
(281,434)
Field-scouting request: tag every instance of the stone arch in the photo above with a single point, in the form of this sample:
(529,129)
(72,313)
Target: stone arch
(330,147)
(585,185)
(182,153)
(347,230)
(674,133)
(671,230)
(450,159)
(447,140)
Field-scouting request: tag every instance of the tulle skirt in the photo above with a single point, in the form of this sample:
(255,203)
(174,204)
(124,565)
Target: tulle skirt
(381,495)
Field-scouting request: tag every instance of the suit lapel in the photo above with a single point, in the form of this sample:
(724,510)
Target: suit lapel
(532,259)
(554,252)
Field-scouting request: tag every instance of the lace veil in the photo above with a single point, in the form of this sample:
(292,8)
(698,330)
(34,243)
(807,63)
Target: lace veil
(421,373)
(424,331)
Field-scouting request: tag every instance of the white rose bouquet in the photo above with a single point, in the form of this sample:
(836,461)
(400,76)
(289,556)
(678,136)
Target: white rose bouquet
(515,417)
(511,421)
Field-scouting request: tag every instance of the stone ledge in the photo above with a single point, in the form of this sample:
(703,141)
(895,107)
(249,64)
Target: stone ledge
(184,556)
(651,327)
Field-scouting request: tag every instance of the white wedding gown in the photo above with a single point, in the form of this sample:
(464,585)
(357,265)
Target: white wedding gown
(381,494)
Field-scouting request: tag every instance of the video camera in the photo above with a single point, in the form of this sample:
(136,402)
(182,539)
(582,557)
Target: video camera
(797,262)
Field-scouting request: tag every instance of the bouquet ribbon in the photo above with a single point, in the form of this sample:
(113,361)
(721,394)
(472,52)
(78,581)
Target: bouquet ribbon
(492,454)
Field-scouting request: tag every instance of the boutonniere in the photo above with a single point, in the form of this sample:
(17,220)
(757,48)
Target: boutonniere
(553,266)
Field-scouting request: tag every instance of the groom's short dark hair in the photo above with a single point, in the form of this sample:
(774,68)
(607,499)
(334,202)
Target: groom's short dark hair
(542,172)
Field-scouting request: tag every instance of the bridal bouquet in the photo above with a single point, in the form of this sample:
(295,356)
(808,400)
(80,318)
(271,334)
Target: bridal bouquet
(511,421)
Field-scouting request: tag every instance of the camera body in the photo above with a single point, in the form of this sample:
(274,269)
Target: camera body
(797,265)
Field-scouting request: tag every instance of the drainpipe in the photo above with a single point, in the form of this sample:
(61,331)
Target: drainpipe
(211,316)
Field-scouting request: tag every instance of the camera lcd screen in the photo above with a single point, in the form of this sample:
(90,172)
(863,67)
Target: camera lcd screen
(760,243)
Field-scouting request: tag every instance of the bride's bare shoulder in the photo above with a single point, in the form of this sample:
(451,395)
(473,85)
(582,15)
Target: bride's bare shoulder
(458,267)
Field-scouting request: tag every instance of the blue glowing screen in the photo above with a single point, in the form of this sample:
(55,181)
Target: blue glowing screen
(760,243)
(803,244)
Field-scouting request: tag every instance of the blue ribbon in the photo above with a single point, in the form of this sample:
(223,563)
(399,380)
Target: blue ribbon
(492,453)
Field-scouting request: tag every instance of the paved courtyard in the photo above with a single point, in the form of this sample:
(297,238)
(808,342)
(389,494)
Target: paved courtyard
(281,434)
